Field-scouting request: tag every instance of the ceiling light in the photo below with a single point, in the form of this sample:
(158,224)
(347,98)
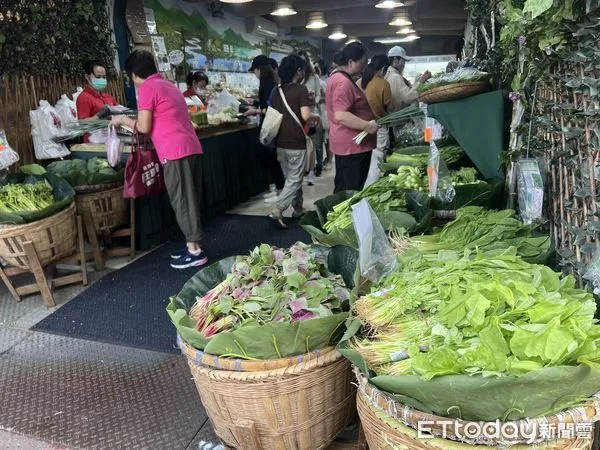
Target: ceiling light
(400,21)
(389,4)
(405,30)
(316,21)
(236,1)
(352,39)
(284,9)
(397,40)
(337,34)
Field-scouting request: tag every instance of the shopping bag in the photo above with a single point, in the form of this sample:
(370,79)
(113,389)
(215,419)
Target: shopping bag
(144,175)
(270,126)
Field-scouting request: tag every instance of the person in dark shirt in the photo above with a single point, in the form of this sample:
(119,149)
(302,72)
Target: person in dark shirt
(268,80)
(292,139)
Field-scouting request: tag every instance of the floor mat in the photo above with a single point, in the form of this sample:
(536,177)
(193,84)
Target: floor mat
(127,307)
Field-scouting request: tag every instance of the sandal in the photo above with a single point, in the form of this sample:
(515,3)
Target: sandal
(298,213)
(277,221)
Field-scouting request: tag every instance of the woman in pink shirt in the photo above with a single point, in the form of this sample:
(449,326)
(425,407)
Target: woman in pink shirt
(163,114)
(349,113)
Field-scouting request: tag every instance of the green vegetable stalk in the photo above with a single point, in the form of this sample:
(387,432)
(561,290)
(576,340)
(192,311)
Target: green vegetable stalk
(26,197)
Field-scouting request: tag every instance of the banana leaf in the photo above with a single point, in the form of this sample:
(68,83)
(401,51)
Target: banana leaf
(63,197)
(543,392)
(487,195)
(271,341)
(416,221)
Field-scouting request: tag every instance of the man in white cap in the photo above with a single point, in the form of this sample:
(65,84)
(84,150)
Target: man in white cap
(403,94)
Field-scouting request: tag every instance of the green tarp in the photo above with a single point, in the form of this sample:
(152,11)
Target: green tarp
(477,124)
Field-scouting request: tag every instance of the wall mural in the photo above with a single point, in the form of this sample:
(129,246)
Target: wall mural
(214,39)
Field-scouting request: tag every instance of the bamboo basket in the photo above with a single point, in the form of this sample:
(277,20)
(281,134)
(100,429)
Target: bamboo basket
(454,91)
(108,209)
(90,188)
(54,238)
(302,406)
(389,424)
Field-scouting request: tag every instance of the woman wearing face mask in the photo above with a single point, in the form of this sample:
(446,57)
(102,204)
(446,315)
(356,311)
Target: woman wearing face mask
(379,96)
(292,101)
(163,114)
(93,102)
(196,82)
(349,113)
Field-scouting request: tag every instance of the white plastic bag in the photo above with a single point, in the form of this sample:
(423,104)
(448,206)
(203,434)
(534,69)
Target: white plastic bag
(114,147)
(376,256)
(7,155)
(440,180)
(76,93)
(98,136)
(45,125)
(223,106)
(66,109)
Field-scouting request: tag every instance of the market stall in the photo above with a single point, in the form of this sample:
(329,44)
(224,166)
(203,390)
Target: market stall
(233,171)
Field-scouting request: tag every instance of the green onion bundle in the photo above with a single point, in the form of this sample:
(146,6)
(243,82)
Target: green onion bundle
(392,119)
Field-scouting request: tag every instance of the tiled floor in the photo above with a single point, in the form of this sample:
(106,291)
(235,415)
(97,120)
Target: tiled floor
(65,393)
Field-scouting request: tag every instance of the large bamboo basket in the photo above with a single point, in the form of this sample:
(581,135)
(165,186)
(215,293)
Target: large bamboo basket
(108,209)
(54,238)
(389,424)
(303,406)
(454,91)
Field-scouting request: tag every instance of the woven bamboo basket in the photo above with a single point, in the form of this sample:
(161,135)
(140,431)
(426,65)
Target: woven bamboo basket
(303,406)
(388,424)
(454,91)
(54,238)
(89,188)
(109,210)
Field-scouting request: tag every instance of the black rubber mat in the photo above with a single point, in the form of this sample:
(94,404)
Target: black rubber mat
(127,307)
(87,395)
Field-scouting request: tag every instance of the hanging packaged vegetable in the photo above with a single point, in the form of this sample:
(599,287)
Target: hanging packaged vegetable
(440,180)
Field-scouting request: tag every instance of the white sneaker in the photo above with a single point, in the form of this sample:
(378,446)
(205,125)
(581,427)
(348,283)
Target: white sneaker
(311,178)
(270,194)
(272,200)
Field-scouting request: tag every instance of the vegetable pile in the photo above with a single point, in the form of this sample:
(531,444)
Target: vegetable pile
(384,195)
(271,285)
(79,172)
(459,76)
(26,197)
(413,178)
(419,156)
(490,315)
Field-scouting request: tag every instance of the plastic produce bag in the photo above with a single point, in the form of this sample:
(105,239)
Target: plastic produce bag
(76,93)
(440,180)
(99,136)
(66,109)
(45,125)
(114,147)
(223,108)
(530,190)
(376,257)
(7,155)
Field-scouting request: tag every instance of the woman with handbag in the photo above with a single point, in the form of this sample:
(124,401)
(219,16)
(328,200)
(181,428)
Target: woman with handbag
(291,100)
(163,114)
(349,113)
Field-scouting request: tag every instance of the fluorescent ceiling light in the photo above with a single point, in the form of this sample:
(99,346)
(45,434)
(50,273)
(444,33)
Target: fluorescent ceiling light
(389,4)
(284,9)
(338,34)
(405,30)
(236,1)
(400,22)
(397,40)
(316,21)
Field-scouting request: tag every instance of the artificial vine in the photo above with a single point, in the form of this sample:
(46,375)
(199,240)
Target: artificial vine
(53,37)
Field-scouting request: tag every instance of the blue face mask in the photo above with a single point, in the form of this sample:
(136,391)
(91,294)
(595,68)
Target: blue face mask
(98,83)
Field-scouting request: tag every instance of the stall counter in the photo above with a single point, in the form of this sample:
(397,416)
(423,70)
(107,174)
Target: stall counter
(233,170)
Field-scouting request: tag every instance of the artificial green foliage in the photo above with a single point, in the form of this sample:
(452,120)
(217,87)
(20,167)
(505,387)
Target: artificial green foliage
(39,37)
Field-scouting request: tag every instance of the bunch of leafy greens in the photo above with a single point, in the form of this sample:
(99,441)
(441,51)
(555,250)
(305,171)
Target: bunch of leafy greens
(271,285)
(486,230)
(419,157)
(383,196)
(79,172)
(26,197)
(493,315)
(459,76)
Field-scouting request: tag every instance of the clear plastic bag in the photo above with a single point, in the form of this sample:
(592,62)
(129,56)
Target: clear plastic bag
(223,103)
(530,188)
(440,180)
(45,125)
(114,147)
(7,155)
(376,256)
